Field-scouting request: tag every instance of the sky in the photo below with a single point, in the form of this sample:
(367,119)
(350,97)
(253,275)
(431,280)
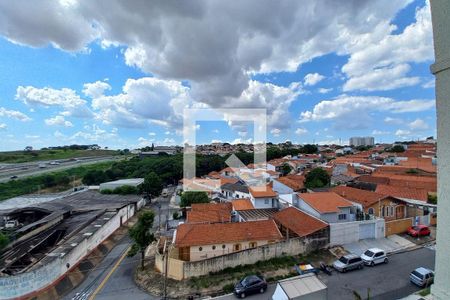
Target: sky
(122,74)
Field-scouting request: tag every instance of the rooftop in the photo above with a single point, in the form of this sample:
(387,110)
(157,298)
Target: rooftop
(299,222)
(257,214)
(265,191)
(403,192)
(363,197)
(242,204)
(325,202)
(219,233)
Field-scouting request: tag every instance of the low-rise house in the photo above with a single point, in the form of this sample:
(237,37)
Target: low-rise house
(263,196)
(287,186)
(242,204)
(195,242)
(375,204)
(234,190)
(327,206)
(293,222)
(209,213)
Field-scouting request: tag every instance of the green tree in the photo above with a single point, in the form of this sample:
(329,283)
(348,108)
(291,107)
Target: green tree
(152,185)
(141,234)
(286,169)
(396,148)
(4,241)
(189,197)
(309,149)
(317,178)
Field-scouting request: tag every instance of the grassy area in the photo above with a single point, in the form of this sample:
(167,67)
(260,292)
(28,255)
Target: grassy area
(36,155)
(57,181)
(424,292)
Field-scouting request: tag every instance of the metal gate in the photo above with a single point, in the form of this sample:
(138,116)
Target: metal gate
(367,231)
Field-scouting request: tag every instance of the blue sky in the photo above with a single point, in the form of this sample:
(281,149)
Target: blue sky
(96,76)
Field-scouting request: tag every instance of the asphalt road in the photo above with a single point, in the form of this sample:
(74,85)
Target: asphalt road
(33,169)
(390,281)
(113,278)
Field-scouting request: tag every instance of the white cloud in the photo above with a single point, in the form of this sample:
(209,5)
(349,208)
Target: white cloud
(301,131)
(418,124)
(383,63)
(389,120)
(402,133)
(95,89)
(242,133)
(3,126)
(151,133)
(242,141)
(275,132)
(58,121)
(216,141)
(65,98)
(380,132)
(215,131)
(32,137)
(313,78)
(14,114)
(429,84)
(324,90)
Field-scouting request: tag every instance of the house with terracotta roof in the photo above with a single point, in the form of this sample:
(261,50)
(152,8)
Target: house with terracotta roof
(234,190)
(287,187)
(263,196)
(375,204)
(293,222)
(242,204)
(209,213)
(327,206)
(194,242)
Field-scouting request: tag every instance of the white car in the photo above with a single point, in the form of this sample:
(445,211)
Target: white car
(374,256)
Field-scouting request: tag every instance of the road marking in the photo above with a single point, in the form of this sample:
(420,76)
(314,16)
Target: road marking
(116,265)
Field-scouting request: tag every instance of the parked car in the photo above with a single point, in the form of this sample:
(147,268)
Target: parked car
(422,277)
(250,285)
(374,256)
(13,177)
(348,262)
(419,230)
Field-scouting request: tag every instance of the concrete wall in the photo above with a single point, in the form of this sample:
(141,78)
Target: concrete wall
(179,270)
(281,188)
(349,232)
(398,226)
(261,202)
(37,279)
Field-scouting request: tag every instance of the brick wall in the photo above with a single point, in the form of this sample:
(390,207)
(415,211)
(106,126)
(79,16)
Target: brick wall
(398,226)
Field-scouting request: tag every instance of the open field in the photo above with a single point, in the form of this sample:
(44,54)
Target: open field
(58,180)
(37,155)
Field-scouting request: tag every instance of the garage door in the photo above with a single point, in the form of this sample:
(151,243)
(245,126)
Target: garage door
(367,231)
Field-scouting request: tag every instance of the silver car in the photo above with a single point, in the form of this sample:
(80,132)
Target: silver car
(422,277)
(348,262)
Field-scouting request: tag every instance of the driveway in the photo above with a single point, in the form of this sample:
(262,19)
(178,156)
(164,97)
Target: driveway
(390,244)
(390,281)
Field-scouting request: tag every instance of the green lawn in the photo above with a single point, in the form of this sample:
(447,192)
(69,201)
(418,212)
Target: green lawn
(59,179)
(36,155)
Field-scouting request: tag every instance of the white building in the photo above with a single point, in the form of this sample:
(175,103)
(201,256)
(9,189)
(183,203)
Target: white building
(362,141)
(111,185)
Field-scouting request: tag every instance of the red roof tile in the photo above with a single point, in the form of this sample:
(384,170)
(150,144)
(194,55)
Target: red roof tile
(242,204)
(326,202)
(215,216)
(262,191)
(363,197)
(299,222)
(218,233)
(402,192)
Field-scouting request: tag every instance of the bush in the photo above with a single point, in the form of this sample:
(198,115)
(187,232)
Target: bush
(106,191)
(228,288)
(175,215)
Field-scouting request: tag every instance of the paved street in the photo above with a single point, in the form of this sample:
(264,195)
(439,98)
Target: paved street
(386,282)
(113,277)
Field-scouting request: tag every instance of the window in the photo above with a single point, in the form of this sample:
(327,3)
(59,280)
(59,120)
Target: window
(266,201)
(223,246)
(214,247)
(200,248)
(237,247)
(342,216)
(370,211)
(252,245)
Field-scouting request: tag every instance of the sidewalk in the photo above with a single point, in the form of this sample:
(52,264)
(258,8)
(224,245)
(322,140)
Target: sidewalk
(390,244)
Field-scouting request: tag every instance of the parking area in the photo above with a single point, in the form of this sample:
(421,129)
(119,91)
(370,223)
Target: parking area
(390,244)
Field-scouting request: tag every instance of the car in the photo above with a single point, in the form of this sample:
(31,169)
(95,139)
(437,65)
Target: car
(422,277)
(250,285)
(13,177)
(348,262)
(374,256)
(419,230)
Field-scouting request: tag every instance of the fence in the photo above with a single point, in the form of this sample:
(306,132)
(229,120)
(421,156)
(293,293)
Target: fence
(398,226)
(178,269)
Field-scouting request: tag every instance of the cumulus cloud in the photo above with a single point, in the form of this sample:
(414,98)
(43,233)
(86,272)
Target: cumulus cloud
(275,132)
(358,109)
(324,90)
(95,89)
(402,133)
(216,65)
(14,114)
(418,124)
(65,98)
(313,78)
(58,121)
(380,132)
(301,131)
(3,126)
(383,63)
